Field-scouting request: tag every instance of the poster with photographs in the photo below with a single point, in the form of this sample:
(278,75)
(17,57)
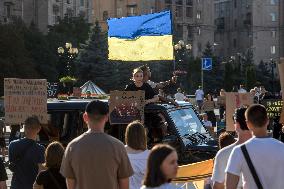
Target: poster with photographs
(235,100)
(126,106)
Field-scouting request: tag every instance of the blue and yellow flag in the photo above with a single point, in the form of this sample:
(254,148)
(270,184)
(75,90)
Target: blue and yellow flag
(141,38)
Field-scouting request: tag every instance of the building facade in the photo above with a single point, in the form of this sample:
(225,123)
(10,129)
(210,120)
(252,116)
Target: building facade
(250,25)
(45,12)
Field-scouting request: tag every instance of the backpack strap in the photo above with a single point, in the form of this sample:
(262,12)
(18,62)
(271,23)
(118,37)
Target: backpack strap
(251,167)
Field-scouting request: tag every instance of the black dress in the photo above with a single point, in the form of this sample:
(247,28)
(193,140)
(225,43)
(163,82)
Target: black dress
(149,92)
(47,179)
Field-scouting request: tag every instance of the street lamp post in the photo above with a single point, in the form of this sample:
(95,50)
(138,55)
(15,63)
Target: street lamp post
(272,65)
(70,52)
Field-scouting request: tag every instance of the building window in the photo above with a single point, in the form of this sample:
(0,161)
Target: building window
(132,10)
(235,23)
(119,12)
(189,32)
(8,9)
(179,11)
(189,12)
(81,3)
(189,2)
(272,49)
(273,17)
(105,15)
(168,1)
(179,31)
(235,3)
(273,34)
(198,15)
(199,47)
(68,1)
(198,31)
(273,2)
(179,2)
(69,12)
(235,43)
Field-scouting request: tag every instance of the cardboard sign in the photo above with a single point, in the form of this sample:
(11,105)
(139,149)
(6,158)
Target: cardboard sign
(77,92)
(52,90)
(281,75)
(24,98)
(273,107)
(235,100)
(126,106)
(208,106)
(221,100)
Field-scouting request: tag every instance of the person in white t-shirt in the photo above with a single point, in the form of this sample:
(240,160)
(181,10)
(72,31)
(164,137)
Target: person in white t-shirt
(136,147)
(199,97)
(265,153)
(222,157)
(179,96)
(242,89)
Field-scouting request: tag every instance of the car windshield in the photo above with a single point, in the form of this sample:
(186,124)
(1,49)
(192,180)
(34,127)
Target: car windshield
(187,122)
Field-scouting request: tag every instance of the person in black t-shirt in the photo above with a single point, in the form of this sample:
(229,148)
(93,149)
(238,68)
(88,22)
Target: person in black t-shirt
(150,95)
(3,175)
(51,178)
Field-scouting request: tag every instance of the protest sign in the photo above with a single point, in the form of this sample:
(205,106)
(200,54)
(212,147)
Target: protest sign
(52,89)
(281,120)
(281,75)
(126,106)
(235,100)
(273,107)
(24,98)
(77,92)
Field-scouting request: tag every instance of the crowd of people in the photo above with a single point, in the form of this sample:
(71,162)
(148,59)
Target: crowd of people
(97,160)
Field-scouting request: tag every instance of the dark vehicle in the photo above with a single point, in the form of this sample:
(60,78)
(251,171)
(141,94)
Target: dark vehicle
(166,123)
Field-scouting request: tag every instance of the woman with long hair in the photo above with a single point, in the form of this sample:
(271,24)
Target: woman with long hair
(162,167)
(138,84)
(136,147)
(51,178)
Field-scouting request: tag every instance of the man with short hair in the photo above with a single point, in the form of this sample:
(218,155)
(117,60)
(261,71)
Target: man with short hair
(222,157)
(95,159)
(266,155)
(27,155)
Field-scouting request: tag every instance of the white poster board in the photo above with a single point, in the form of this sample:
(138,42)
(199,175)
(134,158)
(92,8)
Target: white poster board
(24,98)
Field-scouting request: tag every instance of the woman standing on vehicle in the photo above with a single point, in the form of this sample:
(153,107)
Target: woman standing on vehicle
(136,147)
(138,84)
(162,167)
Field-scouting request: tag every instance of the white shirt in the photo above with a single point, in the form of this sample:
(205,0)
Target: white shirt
(138,162)
(241,90)
(220,164)
(199,94)
(163,186)
(179,97)
(207,123)
(267,156)
(152,84)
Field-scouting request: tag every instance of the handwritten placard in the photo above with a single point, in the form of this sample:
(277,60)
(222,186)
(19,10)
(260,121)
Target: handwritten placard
(233,101)
(126,106)
(24,98)
(52,89)
(273,107)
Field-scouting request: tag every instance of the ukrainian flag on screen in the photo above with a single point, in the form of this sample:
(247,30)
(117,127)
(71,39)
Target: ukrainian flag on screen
(141,38)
